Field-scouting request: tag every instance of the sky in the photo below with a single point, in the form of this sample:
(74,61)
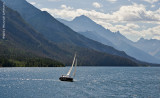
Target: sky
(133,18)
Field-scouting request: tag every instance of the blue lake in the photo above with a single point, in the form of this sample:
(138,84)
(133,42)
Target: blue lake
(90,82)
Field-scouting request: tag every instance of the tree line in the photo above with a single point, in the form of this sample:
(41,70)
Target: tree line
(29,62)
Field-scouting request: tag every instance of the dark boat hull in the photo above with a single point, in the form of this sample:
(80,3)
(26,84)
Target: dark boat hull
(69,79)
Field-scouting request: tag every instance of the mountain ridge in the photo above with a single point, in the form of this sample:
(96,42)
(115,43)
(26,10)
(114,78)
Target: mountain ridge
(151,46)
(57,32)
(116,40)
(23,42)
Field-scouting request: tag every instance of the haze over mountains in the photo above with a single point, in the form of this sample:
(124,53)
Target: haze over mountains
(151,46)
(24,40)
(90,29)
(55,31)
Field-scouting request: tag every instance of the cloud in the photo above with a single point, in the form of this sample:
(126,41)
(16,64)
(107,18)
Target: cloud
(132,26)
(151,1)
(96,5)
(156,37)
(126,15)
(133,31)
(54,0)
(152,33)
(153,6)
(134,12)
(33,3)
(112,1)
(65,7)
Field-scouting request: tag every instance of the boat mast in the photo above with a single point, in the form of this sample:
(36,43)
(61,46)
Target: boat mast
(72,65)
(75,68)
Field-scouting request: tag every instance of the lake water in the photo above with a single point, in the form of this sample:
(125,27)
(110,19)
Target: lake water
(90,82)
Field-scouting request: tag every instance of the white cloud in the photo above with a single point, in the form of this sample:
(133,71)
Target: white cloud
(128,15)
(112,1)
(133,12)
(96,5)
(63,6)
(151,1)
(33,3)
(66,7)
(152,6)
(54,0)
(156,37)
(130,30)
(132,26)
(152,33)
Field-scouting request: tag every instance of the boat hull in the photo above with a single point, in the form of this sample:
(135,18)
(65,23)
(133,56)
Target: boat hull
(69,79)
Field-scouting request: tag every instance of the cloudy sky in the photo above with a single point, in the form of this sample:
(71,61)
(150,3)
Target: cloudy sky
(133,18)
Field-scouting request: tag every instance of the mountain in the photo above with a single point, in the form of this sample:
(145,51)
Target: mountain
(55,31)
(94,31)
(24,45)
(88,28)
(151,46)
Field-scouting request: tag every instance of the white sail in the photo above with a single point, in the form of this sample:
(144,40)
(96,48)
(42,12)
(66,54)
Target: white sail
(75,68)
(71,66)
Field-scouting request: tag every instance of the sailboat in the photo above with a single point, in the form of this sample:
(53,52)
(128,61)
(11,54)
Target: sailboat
(68,77)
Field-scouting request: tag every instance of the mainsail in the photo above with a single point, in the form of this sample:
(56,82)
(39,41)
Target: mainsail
(75,68)
(72,66)
(68,77)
